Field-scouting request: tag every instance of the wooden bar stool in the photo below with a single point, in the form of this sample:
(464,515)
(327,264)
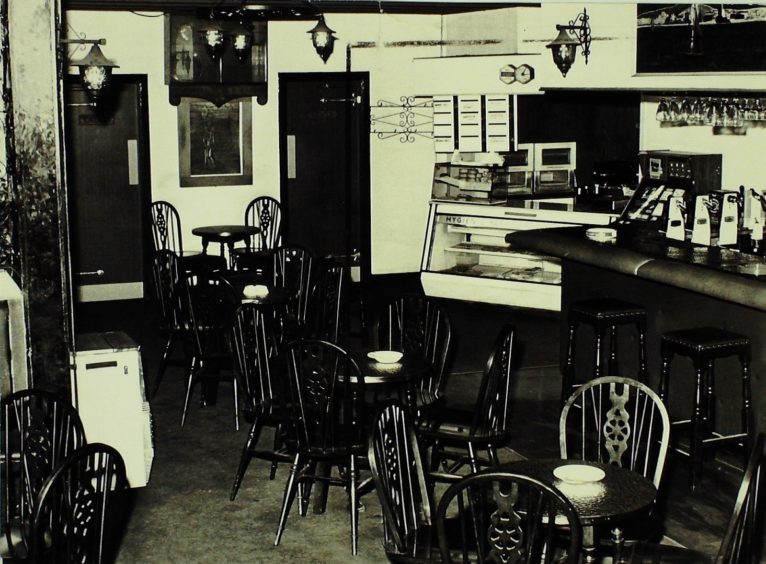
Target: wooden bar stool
(704,345)
(603,314)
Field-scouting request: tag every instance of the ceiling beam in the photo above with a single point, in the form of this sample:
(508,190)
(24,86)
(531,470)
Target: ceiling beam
(281,7)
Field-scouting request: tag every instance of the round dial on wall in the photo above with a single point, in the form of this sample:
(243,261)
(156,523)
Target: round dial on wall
(521,74)
(525,73)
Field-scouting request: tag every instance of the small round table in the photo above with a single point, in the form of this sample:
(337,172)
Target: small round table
(399,376)
(621,494)
(225,235)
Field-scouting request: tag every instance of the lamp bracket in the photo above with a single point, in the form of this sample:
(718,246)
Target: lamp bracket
(83,41)
(581,28)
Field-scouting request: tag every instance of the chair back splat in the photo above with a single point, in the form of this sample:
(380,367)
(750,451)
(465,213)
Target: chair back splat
(327,389)
(743,540)
(494,401)
(166,228)
(265,213)
(329,296)
(453,443)
(80,513)
(294,271)
(39,431)
(507,517)
(418,325)
(207,305)
(619,421)
(327,403)
(397,470)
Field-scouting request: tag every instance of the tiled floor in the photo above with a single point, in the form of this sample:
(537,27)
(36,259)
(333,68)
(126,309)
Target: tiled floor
(184,514)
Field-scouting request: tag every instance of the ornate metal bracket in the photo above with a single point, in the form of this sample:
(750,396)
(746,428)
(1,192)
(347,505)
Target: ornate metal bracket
(406,119)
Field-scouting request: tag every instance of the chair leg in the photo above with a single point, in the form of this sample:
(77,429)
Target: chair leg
(290,488)
(247,454)
(695,442)
(665,375)
(709,416)
(324,470)
(612,364)
(472,458)
(643,372)
(352,491)
(597,369)
(305,486)
(277,446)
(747,413)
(568,380)
(189,385)
(169,346)
(492,452)
(236,405)
(618,540)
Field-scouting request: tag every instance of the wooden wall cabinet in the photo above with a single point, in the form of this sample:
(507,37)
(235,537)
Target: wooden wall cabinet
(194,70)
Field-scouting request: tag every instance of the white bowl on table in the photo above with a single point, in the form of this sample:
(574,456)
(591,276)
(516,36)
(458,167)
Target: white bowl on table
(579,473)
(385,357)
(255,291)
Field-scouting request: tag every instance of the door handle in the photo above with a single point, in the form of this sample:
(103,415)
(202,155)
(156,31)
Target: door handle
(99,272)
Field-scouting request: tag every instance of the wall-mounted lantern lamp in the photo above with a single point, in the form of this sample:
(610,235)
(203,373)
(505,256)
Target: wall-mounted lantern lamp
(323,39)
(564,47)
(95,68)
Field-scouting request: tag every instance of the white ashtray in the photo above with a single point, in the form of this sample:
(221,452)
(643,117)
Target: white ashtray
(385,357)
(578,473)
(601,233)
(255,291)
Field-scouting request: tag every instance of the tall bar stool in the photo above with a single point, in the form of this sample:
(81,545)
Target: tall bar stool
(603,314)
(704,345)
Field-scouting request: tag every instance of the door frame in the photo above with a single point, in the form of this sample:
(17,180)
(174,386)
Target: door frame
(144,170)
(365,234)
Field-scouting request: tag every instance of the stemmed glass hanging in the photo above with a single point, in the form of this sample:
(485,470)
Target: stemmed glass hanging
(717,112)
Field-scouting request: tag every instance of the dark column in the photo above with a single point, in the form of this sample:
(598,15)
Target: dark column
(40,184)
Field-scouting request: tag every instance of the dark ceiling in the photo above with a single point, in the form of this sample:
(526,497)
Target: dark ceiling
(285,9)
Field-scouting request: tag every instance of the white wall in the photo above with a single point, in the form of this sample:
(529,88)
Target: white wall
(401,172)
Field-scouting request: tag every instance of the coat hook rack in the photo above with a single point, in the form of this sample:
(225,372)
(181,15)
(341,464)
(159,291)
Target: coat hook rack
(407,119)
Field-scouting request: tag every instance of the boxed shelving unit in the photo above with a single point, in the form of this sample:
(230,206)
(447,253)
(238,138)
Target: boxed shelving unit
(465,255)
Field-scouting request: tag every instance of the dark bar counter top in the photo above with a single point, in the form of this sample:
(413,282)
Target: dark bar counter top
(680,285)
(640,250)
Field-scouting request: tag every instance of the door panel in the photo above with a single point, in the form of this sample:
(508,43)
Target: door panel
(324,140)
(107,191)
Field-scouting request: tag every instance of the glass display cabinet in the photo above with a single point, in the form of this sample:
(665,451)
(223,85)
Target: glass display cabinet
(465,255)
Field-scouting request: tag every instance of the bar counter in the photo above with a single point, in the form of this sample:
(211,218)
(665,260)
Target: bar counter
(680,285)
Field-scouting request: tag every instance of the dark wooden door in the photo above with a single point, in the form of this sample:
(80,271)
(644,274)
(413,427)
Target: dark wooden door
(107,168)
(324,153)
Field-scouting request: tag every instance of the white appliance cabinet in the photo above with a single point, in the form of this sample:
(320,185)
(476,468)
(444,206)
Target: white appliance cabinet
(465,255)
(108,393)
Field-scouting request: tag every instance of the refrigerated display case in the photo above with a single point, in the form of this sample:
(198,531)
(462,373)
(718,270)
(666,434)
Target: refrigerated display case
(465,255)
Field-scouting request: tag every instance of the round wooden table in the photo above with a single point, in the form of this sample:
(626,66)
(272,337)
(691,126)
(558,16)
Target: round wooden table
(621,494)
(400,377)
(225,235)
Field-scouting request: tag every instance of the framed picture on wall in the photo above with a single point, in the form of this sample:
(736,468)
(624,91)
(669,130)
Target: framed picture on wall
(704,38)
(215,143)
